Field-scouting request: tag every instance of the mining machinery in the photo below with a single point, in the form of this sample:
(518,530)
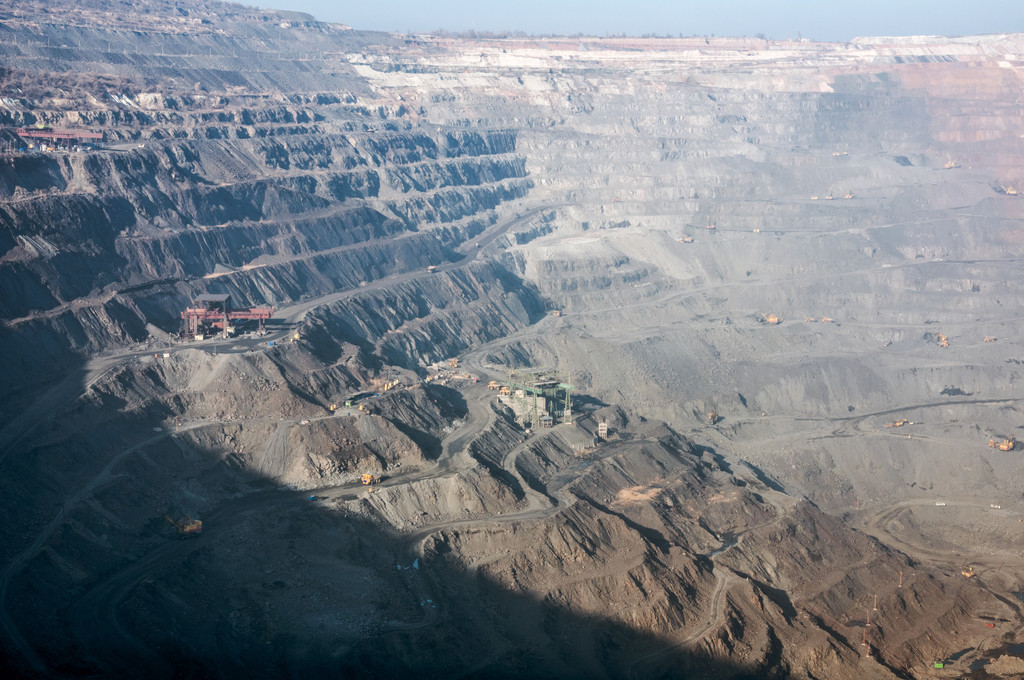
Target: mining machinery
(1008,444)
(186,526)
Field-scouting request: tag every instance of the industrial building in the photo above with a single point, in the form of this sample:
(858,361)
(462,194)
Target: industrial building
(537,399)
(58,138)
(212,314)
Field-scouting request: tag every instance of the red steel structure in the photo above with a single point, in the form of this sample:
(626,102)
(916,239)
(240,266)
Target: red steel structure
(214,311)
(58,135)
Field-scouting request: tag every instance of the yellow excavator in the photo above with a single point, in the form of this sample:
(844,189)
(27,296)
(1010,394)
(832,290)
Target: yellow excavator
(771,318)
(368,478)
(186,526)
(1008,444)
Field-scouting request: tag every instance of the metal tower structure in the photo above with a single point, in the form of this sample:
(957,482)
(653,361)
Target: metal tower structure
(531,387)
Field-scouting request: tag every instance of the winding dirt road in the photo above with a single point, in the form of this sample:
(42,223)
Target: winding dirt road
(75,384)
(724,580)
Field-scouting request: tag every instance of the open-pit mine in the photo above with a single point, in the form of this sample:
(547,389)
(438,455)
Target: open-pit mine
(330,353)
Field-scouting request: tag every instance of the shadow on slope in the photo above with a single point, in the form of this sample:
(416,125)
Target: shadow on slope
(96,584)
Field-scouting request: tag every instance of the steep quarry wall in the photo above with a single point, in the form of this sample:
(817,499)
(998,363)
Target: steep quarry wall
(265,219)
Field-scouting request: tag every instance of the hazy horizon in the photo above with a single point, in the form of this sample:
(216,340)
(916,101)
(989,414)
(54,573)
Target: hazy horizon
(775,20)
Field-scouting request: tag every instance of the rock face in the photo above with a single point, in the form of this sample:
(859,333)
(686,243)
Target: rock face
(813,242)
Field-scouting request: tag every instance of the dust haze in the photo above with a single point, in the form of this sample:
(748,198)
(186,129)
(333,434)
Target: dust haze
(604,358)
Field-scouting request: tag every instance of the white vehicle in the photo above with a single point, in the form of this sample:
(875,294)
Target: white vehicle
(940,503)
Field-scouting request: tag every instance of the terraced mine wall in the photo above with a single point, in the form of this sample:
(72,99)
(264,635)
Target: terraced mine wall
(214,216)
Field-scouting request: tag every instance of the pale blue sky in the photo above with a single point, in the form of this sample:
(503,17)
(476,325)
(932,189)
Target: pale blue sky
(820,20)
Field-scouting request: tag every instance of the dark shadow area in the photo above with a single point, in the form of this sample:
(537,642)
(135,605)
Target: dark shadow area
(719,459)
(778,596)
(763,477)
(587,403)
(455,404)
(653,537)
(501,474)
(269,324)
(220,605)
(33,363)
(452,406)
(532,481)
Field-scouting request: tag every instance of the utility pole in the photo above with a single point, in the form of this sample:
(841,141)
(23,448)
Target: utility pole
(567,417)
(534,422)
